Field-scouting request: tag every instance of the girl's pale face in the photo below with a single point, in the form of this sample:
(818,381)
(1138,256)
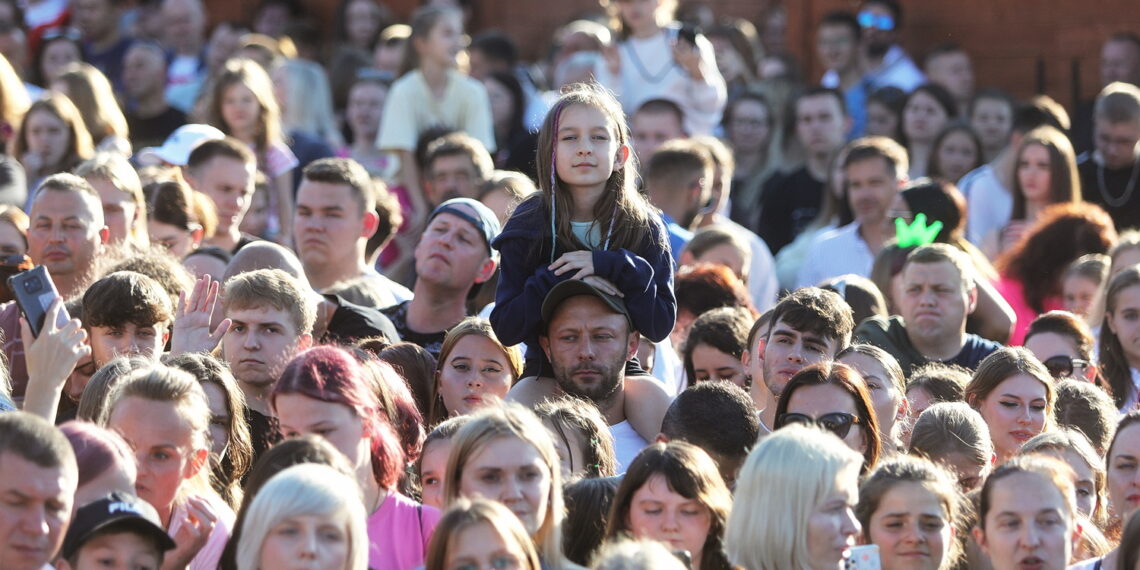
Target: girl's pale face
(220,419)
(337,423)
(1034,174)
(709,363)
(56,56)
(1124,473)
(163,442)
(1124,259)
(476,373)
(1084,485)
(1079,294)
(481,546)
(639,15)
(433,464)
(1014,412)
(1125,323)
(512,472)
(657,512)
(241,110)
(1029,525)
(992,119)
(923,117)
(885,396)
(832,527)
(919,399)
(307,541)
(444,42)
(881,121)
(177,241)
(911,528)
(586,150)
(969,472)
(47,136)
(365,108)
(957,155)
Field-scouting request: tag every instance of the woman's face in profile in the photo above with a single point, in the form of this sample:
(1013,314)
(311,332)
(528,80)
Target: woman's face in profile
(832,526)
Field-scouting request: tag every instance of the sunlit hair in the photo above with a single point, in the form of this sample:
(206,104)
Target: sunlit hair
(1064,183)
(1112,358)
(13,95)
(306,490)
(465,514)
(663,14)
(229,469)
(160,383)
(1064,440)
(1088,409)
(1067,325)
(513,421)
(246,73)
(1052,470)
(584,418)
(623,214)
(96,398)
(98,450)
(329,374)
(725,329)
(92,94)
(309,100)
(922,472)
(790,472)
(422,23)
(1003,364)
(79,145)
(274,288)
(629,554)
(116,169)
(943,382)
(952,427)
(847,379)
(396,402)
(689,472)
(471,326)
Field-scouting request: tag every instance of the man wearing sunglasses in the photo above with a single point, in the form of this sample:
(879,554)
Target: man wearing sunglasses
(938,292)
(885,61)
(808,326)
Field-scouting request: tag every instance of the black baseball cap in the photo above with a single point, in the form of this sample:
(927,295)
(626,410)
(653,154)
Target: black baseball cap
(118,511)
(575,287)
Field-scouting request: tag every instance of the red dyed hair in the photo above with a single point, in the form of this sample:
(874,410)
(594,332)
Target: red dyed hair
(330,374)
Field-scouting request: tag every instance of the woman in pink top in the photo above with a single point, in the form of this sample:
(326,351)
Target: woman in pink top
(323,392)
(164,415)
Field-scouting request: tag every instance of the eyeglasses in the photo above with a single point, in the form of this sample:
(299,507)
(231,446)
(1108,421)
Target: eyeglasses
(882,22)
(1062,366)
(838,423)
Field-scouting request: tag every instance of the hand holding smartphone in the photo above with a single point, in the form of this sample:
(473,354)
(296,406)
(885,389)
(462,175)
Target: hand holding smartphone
(35,292)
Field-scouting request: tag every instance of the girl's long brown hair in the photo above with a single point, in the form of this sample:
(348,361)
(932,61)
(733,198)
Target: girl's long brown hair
(241,71)
(1064,185)
(624,215)
(1113,362)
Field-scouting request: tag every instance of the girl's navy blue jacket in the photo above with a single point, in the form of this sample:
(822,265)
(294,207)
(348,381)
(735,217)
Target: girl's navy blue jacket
(645,277)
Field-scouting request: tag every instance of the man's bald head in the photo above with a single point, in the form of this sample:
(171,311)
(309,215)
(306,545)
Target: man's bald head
(265,255)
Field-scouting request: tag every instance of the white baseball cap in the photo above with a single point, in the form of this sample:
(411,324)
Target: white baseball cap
(177,147)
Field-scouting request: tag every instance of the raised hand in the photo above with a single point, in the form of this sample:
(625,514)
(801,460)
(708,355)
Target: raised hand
(192,320)
(50,358)
(194,531)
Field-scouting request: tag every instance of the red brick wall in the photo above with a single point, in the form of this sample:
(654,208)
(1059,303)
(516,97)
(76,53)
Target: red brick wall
(1005,37)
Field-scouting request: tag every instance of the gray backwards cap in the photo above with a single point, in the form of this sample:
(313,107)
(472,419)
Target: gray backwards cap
(484,219)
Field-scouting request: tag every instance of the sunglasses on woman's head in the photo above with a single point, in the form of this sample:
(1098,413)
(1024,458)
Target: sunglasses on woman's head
(1062,366)
(838,423)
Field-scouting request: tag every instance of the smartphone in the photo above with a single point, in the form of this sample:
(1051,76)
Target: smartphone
(35,293)
(9,266)
(864,557)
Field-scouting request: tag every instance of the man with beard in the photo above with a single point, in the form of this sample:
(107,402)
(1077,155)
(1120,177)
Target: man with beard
(936,295)
(807,326)
(885,61)
(678,180)
(588,339)
(874,169)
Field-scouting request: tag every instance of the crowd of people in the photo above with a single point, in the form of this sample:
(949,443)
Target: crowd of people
(402,300)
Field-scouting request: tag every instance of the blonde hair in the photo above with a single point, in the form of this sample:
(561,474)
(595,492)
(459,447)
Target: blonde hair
(161,383)
(513,421)
(790,472)
(246,72)
(14,100)
(79,145)
(116,169)
(309,106)
(465,514)
(471,326)
(305,489)
(89,89)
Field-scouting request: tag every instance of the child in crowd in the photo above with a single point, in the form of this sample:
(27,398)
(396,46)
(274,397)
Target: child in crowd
(593,226)
(117,531)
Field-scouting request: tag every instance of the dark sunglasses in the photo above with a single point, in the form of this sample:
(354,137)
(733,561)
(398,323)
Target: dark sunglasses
(1062,366)
(838,423)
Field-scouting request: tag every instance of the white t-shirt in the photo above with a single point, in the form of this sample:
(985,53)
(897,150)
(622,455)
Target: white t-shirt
(627,444)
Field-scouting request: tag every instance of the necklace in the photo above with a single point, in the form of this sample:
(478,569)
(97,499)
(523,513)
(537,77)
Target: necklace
(1108,198)
(642,71)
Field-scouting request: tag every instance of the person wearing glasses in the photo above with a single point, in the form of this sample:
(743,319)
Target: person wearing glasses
(1064,344)
(885,61)
(833,396)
